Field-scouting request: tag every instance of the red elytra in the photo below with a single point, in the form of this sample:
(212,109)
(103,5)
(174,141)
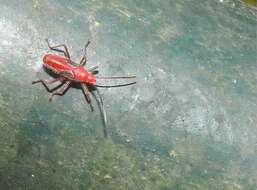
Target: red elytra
(60,65)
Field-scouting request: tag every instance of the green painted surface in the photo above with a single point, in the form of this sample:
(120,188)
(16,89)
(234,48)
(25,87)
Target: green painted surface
(251,2)
(189,123)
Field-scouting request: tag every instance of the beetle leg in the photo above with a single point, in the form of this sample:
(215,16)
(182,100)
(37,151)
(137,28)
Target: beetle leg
(83,60)
(48,81)
(101,108)
(55,48)
(61,90)
(86,93)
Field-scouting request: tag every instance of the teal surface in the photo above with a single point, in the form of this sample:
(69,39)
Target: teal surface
(188,124)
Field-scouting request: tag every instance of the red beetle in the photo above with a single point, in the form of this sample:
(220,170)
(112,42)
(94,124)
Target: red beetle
(69,72)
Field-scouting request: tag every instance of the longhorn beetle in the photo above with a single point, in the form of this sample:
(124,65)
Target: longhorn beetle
(69,72)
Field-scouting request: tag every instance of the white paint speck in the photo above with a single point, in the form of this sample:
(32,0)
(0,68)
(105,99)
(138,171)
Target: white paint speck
(97,24)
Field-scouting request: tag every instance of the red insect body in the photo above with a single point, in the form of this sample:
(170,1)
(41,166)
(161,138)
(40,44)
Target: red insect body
(68,72)
(60,65)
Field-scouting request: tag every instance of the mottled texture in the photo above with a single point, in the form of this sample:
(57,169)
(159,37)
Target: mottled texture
(189,123)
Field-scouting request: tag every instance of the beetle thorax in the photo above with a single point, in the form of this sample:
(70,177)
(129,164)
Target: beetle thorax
(82,75)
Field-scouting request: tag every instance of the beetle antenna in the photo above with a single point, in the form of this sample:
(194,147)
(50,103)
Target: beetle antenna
(111,86)
(101,108)
(119,77)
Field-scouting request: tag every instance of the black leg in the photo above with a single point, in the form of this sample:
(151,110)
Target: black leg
(86,93)
(83,60)
(49,81)
(101,108)
(55,48)
(61,90)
